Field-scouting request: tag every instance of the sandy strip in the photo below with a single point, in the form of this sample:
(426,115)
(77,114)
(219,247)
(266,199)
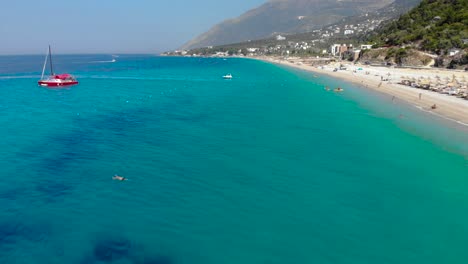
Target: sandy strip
(448,107)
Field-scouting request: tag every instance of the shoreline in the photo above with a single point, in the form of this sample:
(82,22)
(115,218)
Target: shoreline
(448,107)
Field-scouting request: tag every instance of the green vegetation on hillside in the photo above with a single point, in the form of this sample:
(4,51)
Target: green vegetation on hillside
(434,25)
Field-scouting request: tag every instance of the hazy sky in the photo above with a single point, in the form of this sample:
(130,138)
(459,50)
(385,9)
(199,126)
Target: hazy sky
(109,26)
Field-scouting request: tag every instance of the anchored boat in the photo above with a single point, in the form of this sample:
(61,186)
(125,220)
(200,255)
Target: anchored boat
(55,80)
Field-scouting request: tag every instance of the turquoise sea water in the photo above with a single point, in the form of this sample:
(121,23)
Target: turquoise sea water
(265,168)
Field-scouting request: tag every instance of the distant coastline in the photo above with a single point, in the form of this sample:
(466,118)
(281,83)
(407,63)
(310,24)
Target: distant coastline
(387,80)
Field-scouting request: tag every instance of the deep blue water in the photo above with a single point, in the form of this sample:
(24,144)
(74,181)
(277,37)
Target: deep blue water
(265,168)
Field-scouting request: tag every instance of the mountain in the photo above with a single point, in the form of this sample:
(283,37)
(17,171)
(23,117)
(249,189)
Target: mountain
(284,16)
(406,32)
(434,25)
(322,38)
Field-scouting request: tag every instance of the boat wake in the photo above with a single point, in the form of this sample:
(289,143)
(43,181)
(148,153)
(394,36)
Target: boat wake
(106,61)
(160,78)
(19,77)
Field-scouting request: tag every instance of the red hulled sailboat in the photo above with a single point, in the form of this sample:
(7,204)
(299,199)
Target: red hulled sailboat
(55,80)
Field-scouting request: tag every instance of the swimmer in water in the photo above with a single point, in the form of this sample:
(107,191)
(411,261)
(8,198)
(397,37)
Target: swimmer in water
(119,178)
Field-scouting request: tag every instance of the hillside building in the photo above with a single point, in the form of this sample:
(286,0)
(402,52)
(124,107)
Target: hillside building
(339,49)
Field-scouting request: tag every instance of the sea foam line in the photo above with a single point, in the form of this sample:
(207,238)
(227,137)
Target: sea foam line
(444,117)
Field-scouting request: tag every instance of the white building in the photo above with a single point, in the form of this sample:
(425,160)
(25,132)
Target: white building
(349,32)
(365,47)
(453,52)
(335,49)
(356,54)
(279,37)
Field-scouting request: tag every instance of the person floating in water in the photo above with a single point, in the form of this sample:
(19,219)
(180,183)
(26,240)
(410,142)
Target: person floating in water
(118,178)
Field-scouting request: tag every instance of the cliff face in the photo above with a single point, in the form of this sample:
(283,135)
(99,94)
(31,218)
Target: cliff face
(398,56)
(283,16)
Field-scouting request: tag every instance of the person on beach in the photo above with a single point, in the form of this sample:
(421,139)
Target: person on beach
(420,94)
(433,106)
(118,178)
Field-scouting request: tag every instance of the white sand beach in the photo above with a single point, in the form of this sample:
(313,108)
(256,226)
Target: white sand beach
(387,79)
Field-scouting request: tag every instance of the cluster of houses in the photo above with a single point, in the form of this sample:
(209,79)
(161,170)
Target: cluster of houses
(284,49)
(348,29)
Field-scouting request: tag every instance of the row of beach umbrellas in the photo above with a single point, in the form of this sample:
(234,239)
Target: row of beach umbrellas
(455,81)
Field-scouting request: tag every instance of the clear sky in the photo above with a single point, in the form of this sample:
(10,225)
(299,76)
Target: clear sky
(109,26)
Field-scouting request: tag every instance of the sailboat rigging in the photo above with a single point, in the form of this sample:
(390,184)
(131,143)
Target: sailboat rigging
(55,80)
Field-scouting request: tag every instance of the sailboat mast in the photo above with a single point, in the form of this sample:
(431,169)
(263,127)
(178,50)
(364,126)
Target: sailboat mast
(43,67)
(51,67)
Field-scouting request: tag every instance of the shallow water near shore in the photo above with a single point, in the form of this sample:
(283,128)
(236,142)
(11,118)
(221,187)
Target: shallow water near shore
(265,168)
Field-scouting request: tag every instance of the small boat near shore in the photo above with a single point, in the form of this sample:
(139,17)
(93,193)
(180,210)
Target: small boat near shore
(55,80)
(227,76)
